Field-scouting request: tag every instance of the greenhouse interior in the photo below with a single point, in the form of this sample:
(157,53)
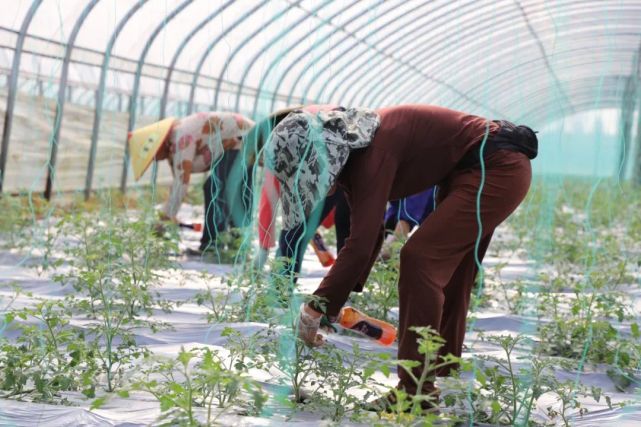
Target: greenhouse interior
(186,238)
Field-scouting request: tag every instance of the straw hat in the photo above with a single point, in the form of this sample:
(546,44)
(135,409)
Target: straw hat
(145,142)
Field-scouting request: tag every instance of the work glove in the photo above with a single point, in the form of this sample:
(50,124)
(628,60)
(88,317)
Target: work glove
(307,328)
(386,251)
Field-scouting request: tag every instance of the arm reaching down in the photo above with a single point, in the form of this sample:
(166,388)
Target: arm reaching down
(367,179)
(182,164)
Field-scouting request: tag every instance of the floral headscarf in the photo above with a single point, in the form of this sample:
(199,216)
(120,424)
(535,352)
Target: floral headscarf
(308,151)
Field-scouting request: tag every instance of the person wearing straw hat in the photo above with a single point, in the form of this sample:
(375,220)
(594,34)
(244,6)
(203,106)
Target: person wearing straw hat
(389,154)
(204,142)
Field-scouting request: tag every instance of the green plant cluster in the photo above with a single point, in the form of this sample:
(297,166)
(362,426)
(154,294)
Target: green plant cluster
(108,272)
(110,266)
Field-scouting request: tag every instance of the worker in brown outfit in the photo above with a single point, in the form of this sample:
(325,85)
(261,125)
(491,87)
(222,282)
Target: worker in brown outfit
(388,154)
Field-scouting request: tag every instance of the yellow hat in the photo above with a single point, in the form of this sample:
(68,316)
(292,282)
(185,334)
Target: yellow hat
(145,142)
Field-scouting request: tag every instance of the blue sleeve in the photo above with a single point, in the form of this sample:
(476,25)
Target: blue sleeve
(430,203)
(392,210)
(413,208)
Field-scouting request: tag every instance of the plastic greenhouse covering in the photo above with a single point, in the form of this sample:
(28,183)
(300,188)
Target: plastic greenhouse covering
(77,77)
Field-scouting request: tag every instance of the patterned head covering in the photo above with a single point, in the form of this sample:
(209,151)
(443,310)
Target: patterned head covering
(307,151)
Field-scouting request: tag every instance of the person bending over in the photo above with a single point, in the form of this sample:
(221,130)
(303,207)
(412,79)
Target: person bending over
(204,142)
(388,154)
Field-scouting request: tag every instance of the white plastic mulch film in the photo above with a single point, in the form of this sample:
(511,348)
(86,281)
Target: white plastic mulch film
(109,316)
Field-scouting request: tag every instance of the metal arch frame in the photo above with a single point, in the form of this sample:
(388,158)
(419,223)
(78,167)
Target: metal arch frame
(357,76)
(210,47)
(628,105)
(584,87)
(183,44)
(266,46)
(307,51)
(136,89)
(408,65)
(537,114)
(60,103)
(349,35)
(391,70)
(563,53)
(505,85)
(378,51)
(486,58)
(635,79)
(100,93)
(242,44)
(420,61)
(544,55)
(12,88)
(300,40)
(426,57)
(383,92)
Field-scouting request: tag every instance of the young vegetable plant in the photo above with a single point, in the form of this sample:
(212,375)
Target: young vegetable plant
(380,293)
(338,375)
(504,394)
(48,356)
(423,373)
(198,378)
(119,253)
(113,275)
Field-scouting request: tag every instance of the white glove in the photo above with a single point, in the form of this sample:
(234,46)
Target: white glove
(307,328)
(386,251)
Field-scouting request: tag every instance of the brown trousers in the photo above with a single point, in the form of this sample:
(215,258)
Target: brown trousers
(437,263)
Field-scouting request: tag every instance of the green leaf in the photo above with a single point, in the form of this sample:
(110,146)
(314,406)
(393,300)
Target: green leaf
(496,407)
(176,388)
(634,328)
(166,403)
(185,356)
(385,370)
(90,392)
(97,403)
(480,376)
(123,393)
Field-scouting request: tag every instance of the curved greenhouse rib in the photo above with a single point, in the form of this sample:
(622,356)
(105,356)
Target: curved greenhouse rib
(349,35)
(12,87)
(469,35)
(266,47)
(136,89)
(544,55)
(203,58)
(307,51)
(365,66)
(418,37)
(505,83)
(100,93)
(60,104)
(238,48)
(273,63)
(421,61)
(183,44)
